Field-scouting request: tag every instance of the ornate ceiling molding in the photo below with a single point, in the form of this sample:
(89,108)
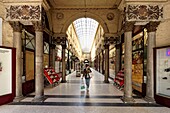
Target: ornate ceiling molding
(23,13)
(144,12)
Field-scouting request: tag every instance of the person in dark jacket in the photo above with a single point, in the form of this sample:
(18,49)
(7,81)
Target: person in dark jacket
(87,76)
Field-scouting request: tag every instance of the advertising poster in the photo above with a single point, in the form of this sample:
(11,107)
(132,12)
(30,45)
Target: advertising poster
(5,71)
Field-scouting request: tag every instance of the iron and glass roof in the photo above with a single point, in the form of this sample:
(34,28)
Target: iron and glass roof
(86,30)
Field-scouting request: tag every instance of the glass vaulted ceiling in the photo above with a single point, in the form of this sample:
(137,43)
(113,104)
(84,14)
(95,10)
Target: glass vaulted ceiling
(86,30)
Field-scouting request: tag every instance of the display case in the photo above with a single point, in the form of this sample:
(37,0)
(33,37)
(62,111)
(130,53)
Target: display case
(162,75)
(51,76)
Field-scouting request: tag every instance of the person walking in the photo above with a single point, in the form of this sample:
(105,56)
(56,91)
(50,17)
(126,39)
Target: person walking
(87,76)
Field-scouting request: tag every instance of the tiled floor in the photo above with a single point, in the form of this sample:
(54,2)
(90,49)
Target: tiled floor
(68,98)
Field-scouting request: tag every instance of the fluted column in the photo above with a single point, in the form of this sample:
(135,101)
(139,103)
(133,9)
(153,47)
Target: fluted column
(151,28)
(127,98)
(63,61)
(106,60)
(17,42)
(117,60)
(39,48)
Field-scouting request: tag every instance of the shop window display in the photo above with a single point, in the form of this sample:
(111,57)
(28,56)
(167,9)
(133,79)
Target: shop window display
(139,49)
(163,71)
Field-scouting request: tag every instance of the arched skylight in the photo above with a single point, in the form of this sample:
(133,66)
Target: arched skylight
(86,30)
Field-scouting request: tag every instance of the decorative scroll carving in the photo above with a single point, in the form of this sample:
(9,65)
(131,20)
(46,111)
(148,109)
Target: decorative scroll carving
(17,27)
(151,26)
(23,12)
(144,12)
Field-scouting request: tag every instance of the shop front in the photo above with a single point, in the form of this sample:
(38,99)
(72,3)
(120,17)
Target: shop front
(162,75)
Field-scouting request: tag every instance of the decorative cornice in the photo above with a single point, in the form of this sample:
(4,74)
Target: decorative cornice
(151,26)
(17,27)
(144,12)
(23,12)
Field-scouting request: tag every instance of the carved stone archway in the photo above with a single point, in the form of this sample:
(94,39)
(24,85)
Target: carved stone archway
(88,15)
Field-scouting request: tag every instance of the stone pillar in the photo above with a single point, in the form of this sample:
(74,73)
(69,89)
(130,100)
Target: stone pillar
(17,42)
(52,57)
(39,48)
(102,62)
(63,60)
(127,98)
(74,66)
(99,61)
(106,60)
(117,59)
(68,61)
(151,28)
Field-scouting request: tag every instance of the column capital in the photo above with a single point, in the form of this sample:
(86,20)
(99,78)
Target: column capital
(16,25)
(53,46)
(117,46)
(106,42)
(151,26)
(128,26)
(38,26)
(63,43)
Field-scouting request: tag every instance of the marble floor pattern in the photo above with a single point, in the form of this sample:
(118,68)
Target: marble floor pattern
(69,98)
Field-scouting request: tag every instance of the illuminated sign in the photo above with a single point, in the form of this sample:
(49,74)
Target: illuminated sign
(168,52)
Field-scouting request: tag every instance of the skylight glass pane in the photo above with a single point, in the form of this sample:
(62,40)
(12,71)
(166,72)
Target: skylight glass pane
(86,30)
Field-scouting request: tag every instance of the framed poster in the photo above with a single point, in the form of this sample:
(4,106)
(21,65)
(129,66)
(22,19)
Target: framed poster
(7,74)
(5,71)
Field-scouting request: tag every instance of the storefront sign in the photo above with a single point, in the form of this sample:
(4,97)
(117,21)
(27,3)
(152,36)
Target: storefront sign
(5,71)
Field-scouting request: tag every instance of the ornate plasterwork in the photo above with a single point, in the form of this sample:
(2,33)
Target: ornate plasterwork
(110,16)
(38,26)
(144,13)
(128,26)
(17,27)
(23,12)
(60,15)
(152,26)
